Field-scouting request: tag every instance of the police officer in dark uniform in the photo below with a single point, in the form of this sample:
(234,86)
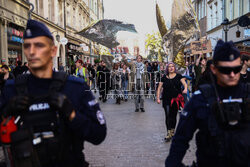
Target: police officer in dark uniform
(78,115)
(220,113)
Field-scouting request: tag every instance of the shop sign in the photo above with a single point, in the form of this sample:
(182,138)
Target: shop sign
(16,39)
(200,47)
(73,48)
(17,33)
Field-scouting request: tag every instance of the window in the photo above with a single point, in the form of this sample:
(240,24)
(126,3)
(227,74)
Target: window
(231,10)
(60,15)
(205,8)
(95,8)
(73,24)
(51,10)
(40,7)
(210,23)
(216,14)
(68,15)
(246,6)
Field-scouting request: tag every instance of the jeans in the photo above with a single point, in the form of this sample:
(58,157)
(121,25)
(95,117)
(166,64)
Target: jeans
(124,88)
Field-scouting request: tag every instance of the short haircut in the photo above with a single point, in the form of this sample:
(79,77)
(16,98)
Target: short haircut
(139,56)
(19,63)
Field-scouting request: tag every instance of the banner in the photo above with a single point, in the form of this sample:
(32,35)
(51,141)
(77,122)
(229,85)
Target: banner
(200,47)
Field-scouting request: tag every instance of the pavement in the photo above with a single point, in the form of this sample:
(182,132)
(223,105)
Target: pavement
(133,139)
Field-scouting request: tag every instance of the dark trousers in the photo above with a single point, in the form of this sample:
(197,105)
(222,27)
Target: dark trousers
(103,90)
(170,115)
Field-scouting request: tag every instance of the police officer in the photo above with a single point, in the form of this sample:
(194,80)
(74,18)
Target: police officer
(79,112)
(219,112)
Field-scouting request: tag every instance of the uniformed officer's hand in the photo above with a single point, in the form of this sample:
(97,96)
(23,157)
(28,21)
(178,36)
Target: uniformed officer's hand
(17,105)
(60,102)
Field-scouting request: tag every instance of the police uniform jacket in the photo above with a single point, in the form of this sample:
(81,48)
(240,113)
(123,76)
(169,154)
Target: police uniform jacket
(212,151)
(88,124)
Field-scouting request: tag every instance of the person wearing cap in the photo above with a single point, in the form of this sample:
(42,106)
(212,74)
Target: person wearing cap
(81,71)
(218,114)
(79,117)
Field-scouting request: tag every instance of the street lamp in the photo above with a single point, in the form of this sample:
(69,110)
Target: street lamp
(225,26)
(57,36)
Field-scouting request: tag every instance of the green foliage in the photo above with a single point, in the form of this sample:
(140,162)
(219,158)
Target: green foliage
(96,61)
(154,46)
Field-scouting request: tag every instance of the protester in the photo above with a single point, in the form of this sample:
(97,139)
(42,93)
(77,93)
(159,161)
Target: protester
(7,73)
(116,83)
(244,73)
(139,77)
(19,69)
(81,71)
(172,97)
(104,80)
(125,79)
(199,68)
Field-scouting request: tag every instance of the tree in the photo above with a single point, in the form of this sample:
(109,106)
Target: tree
(154,47)
(96,61)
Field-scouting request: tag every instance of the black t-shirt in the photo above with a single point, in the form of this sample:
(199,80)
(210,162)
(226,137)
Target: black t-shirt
(171,87)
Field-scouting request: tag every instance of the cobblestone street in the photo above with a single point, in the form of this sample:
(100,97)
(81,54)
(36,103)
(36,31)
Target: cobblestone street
(133,139)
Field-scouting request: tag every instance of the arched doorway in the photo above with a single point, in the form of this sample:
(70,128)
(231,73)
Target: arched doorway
(60,61)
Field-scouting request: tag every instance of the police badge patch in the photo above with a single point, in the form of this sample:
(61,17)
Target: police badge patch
(28,32)
(231,57)
(100,117)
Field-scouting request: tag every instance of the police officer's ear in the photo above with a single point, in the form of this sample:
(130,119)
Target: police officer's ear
(53,48)
(213,68)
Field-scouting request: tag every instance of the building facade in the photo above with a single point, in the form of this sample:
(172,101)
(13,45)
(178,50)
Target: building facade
(211,14)
(63,17)
(12,26)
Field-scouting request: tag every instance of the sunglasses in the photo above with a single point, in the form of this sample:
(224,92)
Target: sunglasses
(228,70)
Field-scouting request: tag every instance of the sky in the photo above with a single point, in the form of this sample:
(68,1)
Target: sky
(141,13)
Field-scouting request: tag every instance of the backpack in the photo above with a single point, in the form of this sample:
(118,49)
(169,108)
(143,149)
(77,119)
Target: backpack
(39,141)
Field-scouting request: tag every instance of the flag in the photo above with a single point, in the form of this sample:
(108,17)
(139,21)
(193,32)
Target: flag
(160,21)
(104,31)
(184,25)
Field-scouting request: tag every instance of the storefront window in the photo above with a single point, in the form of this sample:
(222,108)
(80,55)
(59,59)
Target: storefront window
(14,35)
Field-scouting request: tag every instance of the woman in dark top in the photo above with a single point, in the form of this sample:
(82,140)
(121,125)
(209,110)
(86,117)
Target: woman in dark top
(171,96)
(124,76)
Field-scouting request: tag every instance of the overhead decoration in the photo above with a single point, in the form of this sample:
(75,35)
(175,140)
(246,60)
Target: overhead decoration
(184,25)
(104,32)
(105,51)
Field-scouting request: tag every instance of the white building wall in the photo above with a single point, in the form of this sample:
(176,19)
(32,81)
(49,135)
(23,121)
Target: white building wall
(45,8)
(214,37)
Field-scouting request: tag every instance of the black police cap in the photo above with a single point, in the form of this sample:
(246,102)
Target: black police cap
(35,29)
(225,51)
